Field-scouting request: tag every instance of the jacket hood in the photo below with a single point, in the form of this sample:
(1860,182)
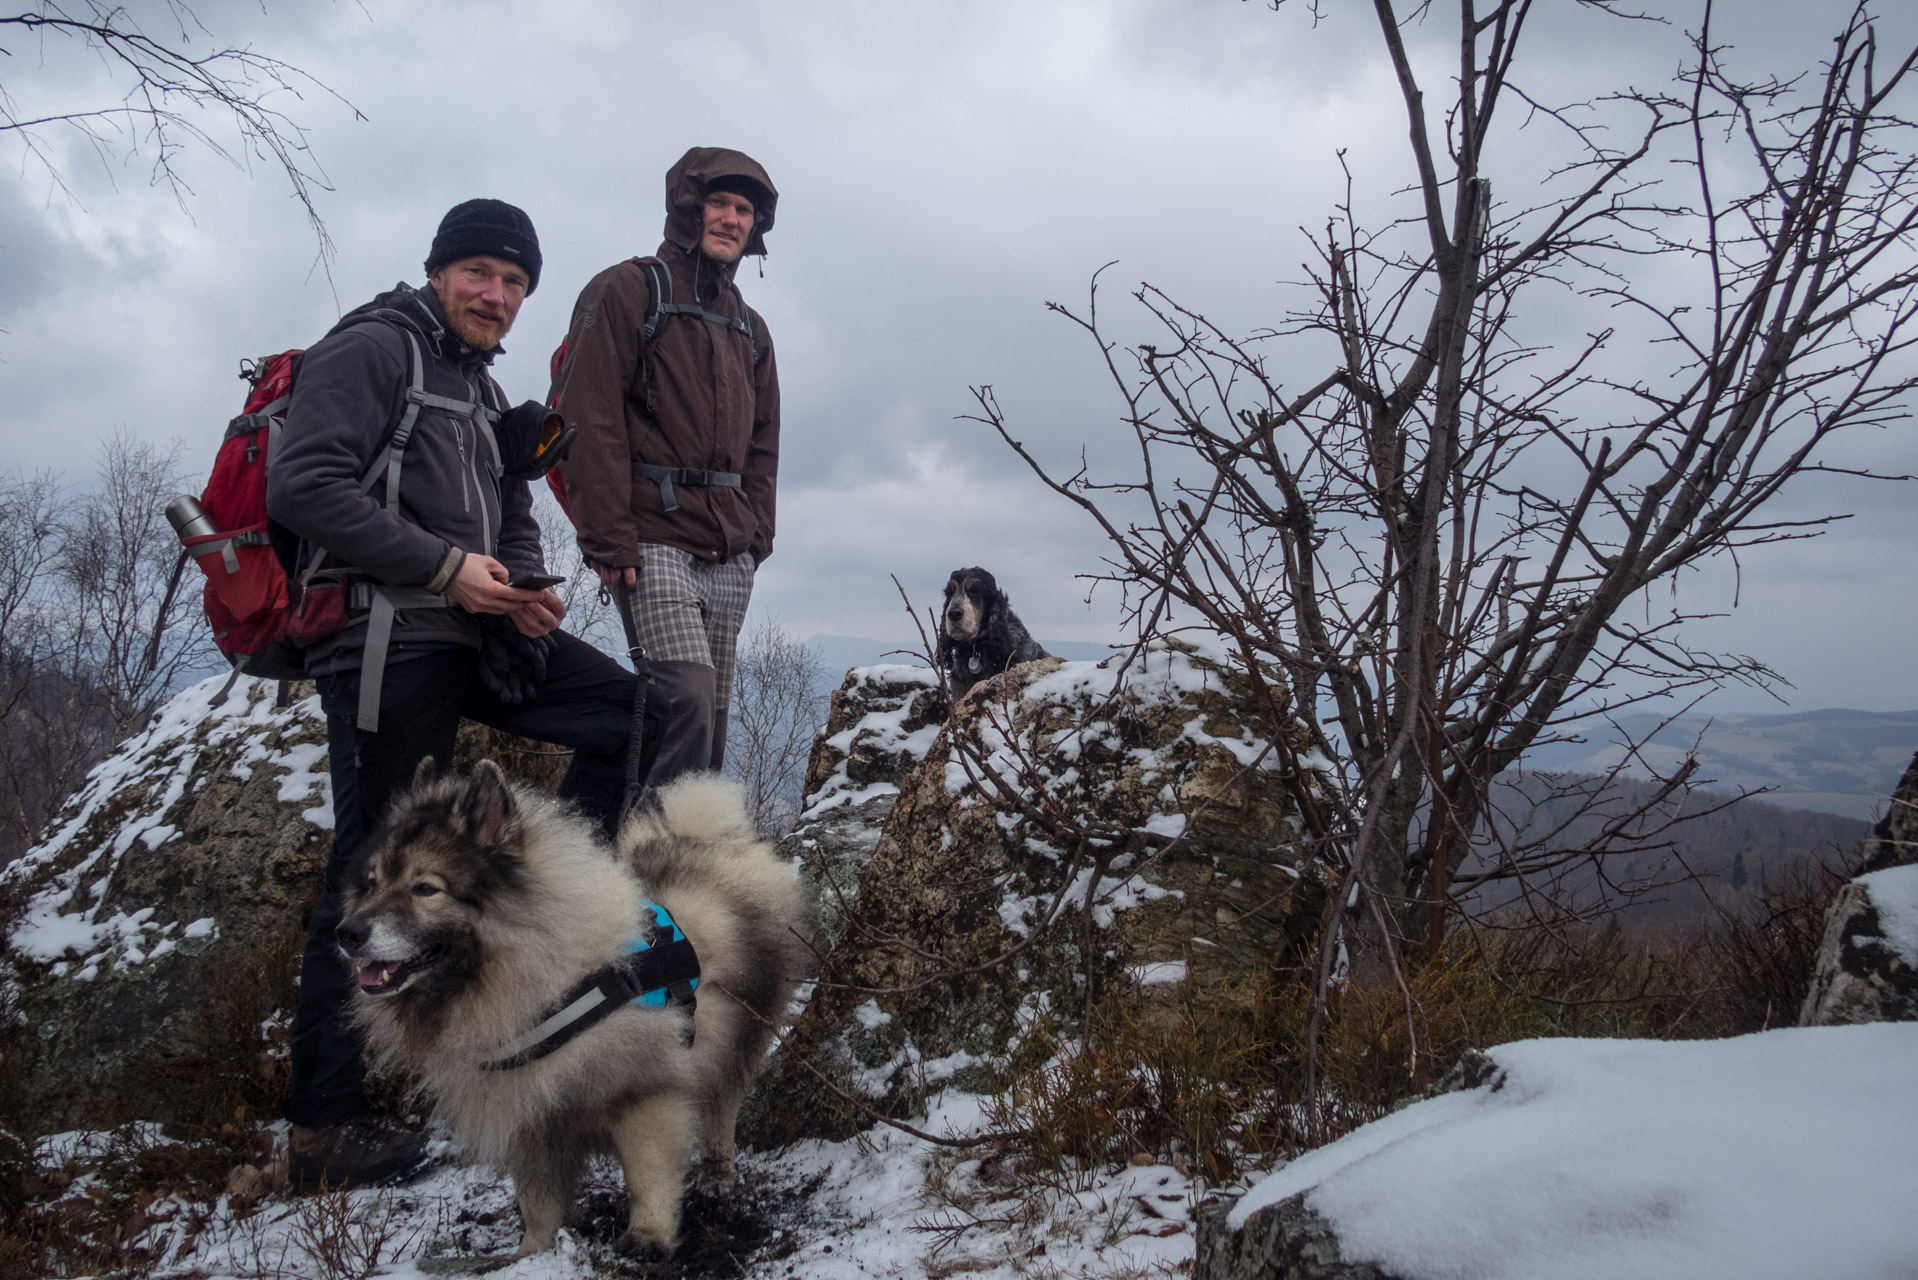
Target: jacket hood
(686,185)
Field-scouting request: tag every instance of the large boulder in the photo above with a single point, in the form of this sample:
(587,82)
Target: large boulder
(979,912)
(153,937)
(157,926)
(879,726)
(1867,964)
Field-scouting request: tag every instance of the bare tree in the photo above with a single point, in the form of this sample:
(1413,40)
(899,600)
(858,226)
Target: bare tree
(1442,542)
(778,705)
(83,582)
(173,97)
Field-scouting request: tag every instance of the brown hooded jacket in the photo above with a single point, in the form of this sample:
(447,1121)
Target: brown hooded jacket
(704,397)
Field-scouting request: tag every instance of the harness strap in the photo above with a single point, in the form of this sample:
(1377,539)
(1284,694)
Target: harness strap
(265,416)
(381,603)
(223,547)
(736,323)
(670,476)
(652,973)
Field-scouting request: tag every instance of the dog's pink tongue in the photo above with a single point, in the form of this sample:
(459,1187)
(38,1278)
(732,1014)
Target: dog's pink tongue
(374,974)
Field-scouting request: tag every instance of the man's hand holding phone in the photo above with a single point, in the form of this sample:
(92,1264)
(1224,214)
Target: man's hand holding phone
(483,585)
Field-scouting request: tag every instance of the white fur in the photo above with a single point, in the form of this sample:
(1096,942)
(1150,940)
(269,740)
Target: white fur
(579,909)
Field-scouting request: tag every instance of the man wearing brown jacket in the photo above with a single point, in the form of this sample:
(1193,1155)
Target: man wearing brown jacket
(671,480)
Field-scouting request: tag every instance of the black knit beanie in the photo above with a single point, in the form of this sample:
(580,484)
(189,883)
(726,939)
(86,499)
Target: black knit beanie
(490,227)
(740,185)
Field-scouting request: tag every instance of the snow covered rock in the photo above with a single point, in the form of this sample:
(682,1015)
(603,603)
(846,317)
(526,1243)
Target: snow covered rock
(881,723)
(1867,964)
(1783,1154)
(972,918)
(159,921)
(1894,841)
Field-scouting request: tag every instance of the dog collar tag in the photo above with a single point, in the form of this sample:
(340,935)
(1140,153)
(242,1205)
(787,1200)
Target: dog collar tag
(972,664)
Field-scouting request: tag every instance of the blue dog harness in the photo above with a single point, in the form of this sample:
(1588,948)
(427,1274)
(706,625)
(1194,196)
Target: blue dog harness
(658,969)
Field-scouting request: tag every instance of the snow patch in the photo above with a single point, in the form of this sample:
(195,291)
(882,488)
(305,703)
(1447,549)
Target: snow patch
(1781,1154)
(1894,894)
(155,766)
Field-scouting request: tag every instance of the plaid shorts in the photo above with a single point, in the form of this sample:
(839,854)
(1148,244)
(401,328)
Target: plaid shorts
(691,610)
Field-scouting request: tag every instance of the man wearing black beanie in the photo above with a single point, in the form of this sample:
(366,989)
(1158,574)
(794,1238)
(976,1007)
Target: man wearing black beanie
(390,472)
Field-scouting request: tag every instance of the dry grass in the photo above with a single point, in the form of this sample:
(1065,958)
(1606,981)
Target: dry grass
(1213,1081)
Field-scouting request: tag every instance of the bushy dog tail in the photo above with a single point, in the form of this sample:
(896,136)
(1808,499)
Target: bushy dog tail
(703,806)
(706,811)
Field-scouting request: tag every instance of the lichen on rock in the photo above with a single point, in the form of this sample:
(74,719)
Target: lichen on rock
(167,900)
(1071,826)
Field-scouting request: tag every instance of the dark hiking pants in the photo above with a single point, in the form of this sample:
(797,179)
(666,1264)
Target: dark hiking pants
(585,703)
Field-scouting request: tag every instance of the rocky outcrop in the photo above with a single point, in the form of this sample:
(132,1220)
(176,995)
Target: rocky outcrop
(153,937)
(1867,965)
(879,726)
(979,913)
(1285,1241)
(1291,1241)
(157,926)
(1894,841)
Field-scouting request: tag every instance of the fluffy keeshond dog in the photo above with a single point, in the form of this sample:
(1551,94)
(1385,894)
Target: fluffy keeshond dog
(484,904)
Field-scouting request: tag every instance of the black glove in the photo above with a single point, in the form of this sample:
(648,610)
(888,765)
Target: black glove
(512,665)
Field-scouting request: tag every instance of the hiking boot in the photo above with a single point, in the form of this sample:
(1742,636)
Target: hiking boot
(358,1153)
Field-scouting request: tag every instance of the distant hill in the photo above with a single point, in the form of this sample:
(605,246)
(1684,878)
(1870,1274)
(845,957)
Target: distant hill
(1720,857)
(1833,760)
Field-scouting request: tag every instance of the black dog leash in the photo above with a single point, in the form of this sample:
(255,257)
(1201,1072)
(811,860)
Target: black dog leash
(636,790)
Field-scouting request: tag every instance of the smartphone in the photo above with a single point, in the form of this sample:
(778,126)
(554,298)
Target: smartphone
(536,581)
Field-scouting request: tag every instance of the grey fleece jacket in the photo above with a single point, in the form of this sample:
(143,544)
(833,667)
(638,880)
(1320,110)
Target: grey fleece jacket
(348,397)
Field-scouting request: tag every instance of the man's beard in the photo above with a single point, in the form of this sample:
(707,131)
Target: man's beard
(476,338)
(715,258)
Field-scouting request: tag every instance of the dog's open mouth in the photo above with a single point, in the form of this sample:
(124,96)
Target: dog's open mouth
(385,977)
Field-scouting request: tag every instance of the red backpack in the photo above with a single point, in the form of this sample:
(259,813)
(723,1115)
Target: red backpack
(264,604)
(247,597)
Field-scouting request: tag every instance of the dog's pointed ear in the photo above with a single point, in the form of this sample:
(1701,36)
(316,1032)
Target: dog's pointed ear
(427,771)
(488,805)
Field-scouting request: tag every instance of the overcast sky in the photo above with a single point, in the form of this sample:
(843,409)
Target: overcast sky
(944,169)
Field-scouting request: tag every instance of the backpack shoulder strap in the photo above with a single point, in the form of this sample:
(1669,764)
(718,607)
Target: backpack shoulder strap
(659,292)
(387,460)
(746,321)
(663,287)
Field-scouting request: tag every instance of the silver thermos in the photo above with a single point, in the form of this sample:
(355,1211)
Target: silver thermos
(188,518)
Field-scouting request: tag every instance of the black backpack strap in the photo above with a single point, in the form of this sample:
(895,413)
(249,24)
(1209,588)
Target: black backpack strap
(659,292)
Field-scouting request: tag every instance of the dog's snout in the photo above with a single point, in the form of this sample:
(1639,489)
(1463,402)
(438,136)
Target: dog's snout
(351,934)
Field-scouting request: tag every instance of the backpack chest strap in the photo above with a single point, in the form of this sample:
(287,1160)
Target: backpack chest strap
(736,323)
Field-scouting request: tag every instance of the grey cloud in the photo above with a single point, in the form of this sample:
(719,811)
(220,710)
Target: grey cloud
(945,169)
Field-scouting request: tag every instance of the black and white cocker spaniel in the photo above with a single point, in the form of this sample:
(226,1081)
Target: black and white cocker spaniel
(979,634)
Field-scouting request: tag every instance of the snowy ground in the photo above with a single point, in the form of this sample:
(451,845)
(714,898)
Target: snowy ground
(1788,1154)
(885,1205)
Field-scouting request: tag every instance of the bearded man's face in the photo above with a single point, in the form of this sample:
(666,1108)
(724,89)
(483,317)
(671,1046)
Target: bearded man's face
(481,296)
